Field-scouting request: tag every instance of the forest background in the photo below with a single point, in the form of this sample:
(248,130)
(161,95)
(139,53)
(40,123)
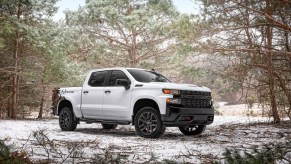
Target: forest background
(238,48)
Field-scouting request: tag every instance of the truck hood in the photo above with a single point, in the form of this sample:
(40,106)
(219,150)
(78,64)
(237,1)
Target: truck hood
(189,87)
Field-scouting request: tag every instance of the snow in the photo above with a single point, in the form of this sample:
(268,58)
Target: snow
(240,109)
(173,145)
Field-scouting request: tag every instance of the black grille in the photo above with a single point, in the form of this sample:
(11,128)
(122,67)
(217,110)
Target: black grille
(190,103)
(196,99)
(196,93)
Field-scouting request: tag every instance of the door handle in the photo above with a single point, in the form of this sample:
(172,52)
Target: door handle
(107,92)
(86,92)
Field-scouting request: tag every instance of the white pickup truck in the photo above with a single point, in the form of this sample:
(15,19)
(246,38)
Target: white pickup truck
(145,99)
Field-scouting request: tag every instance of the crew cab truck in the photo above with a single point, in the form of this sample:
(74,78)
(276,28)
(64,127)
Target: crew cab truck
(143,98)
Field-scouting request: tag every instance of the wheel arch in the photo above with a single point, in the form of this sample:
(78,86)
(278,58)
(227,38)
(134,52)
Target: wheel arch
(142,103)
(64,103)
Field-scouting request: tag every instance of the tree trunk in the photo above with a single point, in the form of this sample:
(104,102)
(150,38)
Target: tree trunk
(15,79)
(270,68)
(15,85)
(132,58)
(9,108)
(41,101)
(133,50)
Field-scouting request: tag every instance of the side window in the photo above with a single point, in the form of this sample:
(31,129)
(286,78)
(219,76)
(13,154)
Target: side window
(97,79)
(117,75)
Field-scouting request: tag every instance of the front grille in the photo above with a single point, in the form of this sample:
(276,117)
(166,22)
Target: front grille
(192,103)
(196,93)
(196,99)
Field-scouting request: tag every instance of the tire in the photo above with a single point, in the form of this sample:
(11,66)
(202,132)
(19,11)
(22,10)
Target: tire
(148,123)
(67,120)
(109,126)
(192,130)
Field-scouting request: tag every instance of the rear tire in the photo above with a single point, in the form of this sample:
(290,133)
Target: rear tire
(109,126)
(192,130)
(67,120)
(148,123)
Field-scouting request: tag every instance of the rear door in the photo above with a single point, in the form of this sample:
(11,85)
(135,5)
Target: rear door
(117,99)
(92,95)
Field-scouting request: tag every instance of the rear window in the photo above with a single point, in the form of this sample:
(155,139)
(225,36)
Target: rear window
(97,78)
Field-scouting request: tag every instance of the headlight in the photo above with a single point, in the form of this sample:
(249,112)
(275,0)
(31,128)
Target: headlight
(173,101)
(171,91)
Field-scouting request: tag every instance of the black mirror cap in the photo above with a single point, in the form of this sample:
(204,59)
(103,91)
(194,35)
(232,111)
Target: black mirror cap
(123,82)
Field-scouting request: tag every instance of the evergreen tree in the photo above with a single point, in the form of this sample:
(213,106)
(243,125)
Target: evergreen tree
(254,37)
(27,52)
(126,32)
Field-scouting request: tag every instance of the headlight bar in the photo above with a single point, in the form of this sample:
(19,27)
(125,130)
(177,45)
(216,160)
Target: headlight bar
(171,91)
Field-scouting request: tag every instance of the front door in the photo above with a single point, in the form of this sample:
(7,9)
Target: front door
(116,103)
(92,95)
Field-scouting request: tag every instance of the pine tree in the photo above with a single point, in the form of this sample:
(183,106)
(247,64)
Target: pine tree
(254,37)
(20,19)
(126,32)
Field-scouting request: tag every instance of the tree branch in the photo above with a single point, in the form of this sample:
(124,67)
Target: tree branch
(278,24)
(280,53)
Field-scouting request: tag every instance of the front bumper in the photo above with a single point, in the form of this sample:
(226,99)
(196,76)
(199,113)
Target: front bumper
(178,116)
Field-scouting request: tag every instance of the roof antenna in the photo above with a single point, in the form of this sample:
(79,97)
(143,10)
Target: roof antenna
(153,70)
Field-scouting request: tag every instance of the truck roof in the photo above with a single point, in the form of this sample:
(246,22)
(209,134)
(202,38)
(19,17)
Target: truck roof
(116,68)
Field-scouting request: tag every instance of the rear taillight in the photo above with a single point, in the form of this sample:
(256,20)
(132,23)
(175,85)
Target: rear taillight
(56,90)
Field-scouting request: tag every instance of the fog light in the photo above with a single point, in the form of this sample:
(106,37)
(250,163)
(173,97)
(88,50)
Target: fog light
(210,118)
(173,101)
(186,118)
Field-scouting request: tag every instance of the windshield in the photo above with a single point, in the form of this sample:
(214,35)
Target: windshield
(147,76)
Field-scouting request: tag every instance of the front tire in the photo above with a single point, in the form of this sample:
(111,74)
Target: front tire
(148,123)
(67,120)
(109,126)
(192,130)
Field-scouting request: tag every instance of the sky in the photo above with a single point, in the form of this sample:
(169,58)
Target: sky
(184,6)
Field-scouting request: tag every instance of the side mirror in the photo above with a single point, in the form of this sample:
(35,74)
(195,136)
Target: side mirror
(123,82)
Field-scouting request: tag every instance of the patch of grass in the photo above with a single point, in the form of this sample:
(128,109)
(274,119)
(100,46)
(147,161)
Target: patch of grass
(170,161)
(269,153)
(9,157)
(108,157)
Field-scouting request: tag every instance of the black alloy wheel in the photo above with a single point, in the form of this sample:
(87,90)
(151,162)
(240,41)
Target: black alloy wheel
(66,120)
(148,123)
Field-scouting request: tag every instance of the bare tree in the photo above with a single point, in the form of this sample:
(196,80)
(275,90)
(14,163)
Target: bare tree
(255,36)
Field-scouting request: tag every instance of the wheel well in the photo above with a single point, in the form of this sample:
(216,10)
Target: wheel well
(142,103)
(64,103)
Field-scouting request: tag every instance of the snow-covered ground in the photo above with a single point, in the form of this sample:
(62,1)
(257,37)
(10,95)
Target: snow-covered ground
(241,109)
(91,139)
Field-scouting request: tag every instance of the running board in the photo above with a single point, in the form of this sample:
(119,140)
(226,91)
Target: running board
(89,121)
